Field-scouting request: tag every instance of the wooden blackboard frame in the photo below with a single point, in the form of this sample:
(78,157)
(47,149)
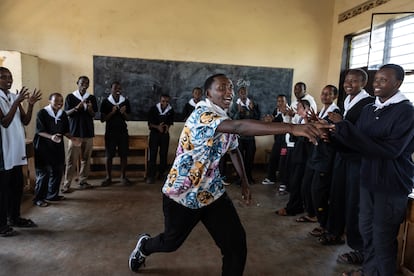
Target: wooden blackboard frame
(144,80)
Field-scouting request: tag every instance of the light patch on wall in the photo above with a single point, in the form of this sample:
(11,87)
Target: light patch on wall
(366,6)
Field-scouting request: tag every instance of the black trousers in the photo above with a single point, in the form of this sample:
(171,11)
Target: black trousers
(274,159)
(158,141)
(11,194)
(48,180)
(222,222)
(247,149)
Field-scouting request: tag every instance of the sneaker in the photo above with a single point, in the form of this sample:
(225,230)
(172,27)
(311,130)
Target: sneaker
(126,182)
(106,182)
(7,231)
(136,259)
(267,181)
(65,190)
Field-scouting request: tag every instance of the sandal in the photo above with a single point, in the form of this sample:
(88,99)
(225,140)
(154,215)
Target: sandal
(22,222)
(306,219)
(352,257)
(317,232)
(329,239)
(358,272)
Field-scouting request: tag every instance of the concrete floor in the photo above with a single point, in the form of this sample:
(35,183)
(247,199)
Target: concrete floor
(92,232)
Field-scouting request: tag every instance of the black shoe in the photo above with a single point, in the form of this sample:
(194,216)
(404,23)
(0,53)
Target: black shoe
(85,185)
(7,231)
(137,258)
(22,222)
(106,182)
(126,182)
(57,198)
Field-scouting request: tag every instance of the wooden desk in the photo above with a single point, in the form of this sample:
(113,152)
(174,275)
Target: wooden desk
(137,157)
(407,244)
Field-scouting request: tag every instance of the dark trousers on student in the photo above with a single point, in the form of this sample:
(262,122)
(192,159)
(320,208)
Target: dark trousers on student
(14,180)
(222,222)
(158,141)
(380,219)
(247,148)
(48,180)
(273,163)
(4,199)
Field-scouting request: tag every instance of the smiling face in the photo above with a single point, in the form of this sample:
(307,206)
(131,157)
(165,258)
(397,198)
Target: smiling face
(56,101)
(221,92)
(83,84)
(116,91)
(327,96)
(354,83)
(6,79)
(386,84)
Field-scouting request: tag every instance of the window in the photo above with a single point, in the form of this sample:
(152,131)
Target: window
(391,41)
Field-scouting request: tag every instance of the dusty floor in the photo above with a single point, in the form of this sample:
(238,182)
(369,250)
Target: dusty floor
(92,232)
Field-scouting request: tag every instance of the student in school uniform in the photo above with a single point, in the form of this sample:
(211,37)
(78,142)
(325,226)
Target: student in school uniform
(115,112)
(384,135)
(160,119)
(189,107)
(81,108)
(298,158)
(279,115)
(51,125)
(344,195)
(317,180)
(13,118)
(246,108)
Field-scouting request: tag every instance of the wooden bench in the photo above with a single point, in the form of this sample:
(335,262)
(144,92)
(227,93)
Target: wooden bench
(137,157)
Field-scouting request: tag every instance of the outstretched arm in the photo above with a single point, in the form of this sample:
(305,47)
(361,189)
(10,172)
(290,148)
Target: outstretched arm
(260,128)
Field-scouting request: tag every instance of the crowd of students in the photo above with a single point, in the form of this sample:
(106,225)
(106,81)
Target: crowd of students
(351,171)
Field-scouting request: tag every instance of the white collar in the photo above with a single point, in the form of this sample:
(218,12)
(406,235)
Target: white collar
(52,114)
(246,105)
(348,104)
(213,107)
(112,100)
(168,108)
(398,97)
(78,95)
(330,108)
(192,102)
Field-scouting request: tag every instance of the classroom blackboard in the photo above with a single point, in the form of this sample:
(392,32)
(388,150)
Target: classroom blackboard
(144,80)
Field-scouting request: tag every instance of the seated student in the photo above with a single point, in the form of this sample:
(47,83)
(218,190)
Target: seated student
(299,156)
(278,115)
(51,124)
(384,135)
(197,93)
(115,112)
(317,180)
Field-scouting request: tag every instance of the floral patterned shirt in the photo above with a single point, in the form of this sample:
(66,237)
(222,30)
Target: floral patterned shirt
(194,180)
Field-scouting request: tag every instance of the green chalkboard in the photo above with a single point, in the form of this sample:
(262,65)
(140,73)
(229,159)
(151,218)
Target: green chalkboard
(144,80)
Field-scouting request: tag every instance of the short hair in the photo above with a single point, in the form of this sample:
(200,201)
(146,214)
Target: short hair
(55,94)
(196,88)
(281,96)
(2,69)
(82,77)
(333,88)
(301,83)
(115,83)
(358,72)
(398,70)
(305,103)
(165,96)
(209,81)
